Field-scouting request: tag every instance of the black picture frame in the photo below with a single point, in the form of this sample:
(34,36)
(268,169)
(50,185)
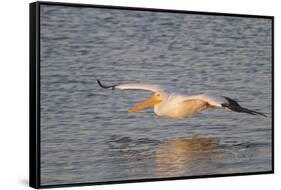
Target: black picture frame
(34,98)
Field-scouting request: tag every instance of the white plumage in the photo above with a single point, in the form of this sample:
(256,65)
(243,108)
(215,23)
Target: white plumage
(168,102)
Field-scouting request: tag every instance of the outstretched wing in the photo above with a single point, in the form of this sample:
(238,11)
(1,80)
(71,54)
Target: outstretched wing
(135,86)
(212,101)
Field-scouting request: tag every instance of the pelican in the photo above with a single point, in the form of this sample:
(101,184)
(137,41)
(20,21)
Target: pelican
(168,102)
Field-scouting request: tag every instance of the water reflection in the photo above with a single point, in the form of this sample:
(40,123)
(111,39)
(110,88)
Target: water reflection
(186,156)
(183,156)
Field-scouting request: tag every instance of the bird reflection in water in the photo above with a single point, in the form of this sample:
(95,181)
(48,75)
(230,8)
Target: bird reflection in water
(186,156)
(183,156)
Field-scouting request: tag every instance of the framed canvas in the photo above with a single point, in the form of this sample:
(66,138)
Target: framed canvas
(123,94)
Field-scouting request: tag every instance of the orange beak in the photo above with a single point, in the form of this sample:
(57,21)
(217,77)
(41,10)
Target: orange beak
(153,100)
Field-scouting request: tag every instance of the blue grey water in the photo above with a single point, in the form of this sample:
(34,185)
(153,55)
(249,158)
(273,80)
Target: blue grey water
(87,135)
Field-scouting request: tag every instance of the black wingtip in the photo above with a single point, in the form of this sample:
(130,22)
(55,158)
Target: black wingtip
(98,81)
(259,113)
(104,86)
(234,106)
(240,109)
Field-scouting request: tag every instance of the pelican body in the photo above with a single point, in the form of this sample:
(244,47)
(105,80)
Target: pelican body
(167,102)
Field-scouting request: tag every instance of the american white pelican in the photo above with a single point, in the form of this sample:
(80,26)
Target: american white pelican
(169,103)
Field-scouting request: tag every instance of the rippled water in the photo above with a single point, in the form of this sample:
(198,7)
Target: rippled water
(87,135)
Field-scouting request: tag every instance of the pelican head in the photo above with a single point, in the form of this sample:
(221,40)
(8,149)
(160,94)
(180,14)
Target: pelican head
(156,99)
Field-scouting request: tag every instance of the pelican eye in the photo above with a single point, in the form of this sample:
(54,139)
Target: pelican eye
(158,95)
